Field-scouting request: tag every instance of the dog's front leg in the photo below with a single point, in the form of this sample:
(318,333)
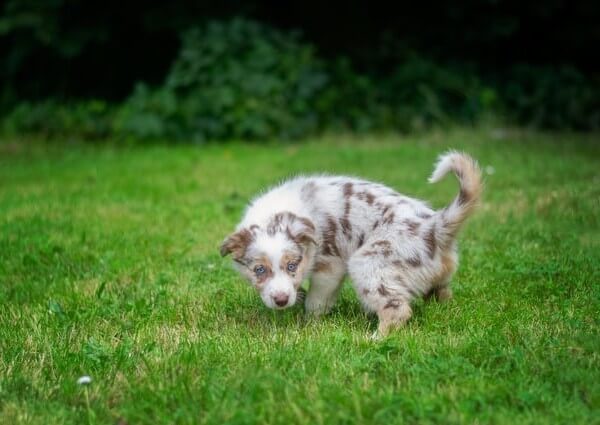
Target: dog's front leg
(325,284)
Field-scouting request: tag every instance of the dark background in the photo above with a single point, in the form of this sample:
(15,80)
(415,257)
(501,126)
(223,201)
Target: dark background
(539,59)
(101,48)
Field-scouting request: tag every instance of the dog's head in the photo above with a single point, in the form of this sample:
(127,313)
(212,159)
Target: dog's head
(274,259)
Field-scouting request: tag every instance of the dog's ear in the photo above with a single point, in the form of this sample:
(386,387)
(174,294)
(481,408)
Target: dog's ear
(302,231)
(237,243)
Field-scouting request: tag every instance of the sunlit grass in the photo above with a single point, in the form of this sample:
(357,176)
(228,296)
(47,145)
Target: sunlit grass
(109,267)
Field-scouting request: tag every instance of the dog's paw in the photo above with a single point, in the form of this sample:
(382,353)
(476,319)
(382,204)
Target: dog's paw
(315,310)
(317,307)
(376,336)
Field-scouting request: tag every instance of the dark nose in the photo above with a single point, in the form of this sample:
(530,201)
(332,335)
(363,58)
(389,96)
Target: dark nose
(281,299)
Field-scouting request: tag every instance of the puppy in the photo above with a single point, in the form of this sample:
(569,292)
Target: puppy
(394,248)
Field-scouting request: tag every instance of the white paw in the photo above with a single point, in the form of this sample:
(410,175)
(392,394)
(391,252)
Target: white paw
(376,336)
(315,309)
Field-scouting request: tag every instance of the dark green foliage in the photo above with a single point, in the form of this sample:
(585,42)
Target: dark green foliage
(73,48)
(352,101)
(240,79)
(235,79)
(49,119)
(417,94)
(425,93)
(150,114)
(552,98)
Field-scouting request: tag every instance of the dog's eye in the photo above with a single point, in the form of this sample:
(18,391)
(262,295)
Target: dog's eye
(259,270)
(292,267)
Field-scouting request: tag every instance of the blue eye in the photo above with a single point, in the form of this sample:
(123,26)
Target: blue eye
(259,270)
(292,267)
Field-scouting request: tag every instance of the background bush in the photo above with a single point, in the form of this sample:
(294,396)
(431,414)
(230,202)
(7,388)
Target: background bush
(240,79)
(88,120)
(560,98)
(236,79)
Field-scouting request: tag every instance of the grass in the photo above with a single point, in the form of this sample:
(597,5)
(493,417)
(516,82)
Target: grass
(109,268)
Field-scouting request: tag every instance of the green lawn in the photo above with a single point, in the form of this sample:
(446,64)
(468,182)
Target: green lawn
(109,267)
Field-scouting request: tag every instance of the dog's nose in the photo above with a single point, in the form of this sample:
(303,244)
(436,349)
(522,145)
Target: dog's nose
(281,299)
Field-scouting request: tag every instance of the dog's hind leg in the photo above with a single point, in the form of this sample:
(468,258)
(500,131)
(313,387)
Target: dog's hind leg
(443,293)
(392,315)
(440,293)
(441,281)
(382,286)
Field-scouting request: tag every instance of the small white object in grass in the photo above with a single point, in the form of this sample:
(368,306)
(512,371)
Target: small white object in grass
(84,380)
(489,170)
(499,133)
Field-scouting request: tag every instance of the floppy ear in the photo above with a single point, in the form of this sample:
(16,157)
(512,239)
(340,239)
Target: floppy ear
(301,230)
(237,243)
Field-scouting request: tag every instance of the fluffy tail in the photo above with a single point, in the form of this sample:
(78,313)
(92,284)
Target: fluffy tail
(469,176)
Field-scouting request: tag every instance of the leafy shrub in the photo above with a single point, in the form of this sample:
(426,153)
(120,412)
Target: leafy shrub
(352,101)
(151,114)
(235,79)
(551,98)
(243,80)
(417,94)
(425,93)
(90,119)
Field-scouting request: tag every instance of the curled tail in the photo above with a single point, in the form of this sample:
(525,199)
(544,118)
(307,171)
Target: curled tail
(469,176)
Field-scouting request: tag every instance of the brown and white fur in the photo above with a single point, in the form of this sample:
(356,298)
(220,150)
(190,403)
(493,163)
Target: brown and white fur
(394,248)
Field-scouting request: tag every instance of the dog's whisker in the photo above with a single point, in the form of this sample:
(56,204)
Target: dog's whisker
(301,295)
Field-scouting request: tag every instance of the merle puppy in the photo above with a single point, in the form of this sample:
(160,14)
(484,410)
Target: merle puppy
(394,248)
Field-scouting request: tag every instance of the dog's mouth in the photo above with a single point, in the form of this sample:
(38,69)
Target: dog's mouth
(293,299)
(300,296)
